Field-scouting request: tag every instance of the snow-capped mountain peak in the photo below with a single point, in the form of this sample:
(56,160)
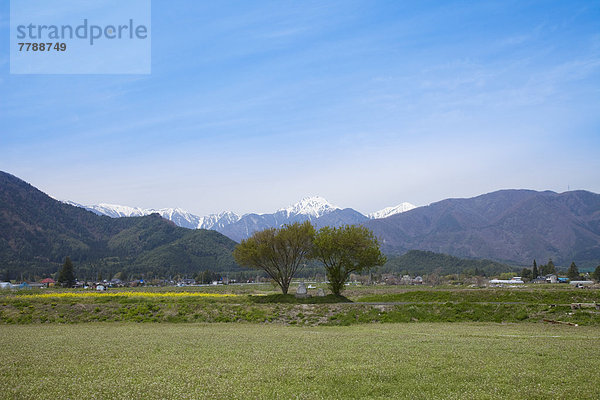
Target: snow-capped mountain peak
(315,206)
(389,211)
(239,227)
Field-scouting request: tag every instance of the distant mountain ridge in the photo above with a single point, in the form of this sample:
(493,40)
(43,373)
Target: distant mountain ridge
(507,226)
(179,216)
(514,226)
(315,209)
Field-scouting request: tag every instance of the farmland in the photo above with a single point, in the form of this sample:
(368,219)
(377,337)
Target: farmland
(262,304)
(420,361)
(248,341)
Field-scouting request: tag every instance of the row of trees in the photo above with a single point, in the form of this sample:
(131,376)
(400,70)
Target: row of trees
(550,268)
(281,252)
(342,251)
(542,270)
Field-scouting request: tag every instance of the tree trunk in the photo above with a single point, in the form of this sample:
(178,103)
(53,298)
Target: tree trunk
(337,279)
(284,287)
(336,287)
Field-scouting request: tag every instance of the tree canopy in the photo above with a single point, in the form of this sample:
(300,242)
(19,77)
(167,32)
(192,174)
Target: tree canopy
(66,276)
(526,274)
(346,250)
(573,272)
(277,251)
(548,268)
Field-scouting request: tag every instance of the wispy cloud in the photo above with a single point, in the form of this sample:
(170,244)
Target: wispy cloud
(275,99)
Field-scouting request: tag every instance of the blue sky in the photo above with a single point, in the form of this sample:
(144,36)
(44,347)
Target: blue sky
(252,105)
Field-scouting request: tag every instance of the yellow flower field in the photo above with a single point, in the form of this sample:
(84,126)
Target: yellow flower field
(125,294)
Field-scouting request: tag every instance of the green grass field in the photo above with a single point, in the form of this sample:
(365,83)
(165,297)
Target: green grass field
(242,361)
(261,304)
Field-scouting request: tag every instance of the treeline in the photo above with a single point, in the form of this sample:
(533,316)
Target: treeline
(418,262)
(550,269)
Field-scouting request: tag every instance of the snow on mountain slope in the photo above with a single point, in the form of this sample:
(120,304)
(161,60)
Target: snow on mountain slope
(69,202)
(314,206)
(308,209)
(239,227)
(389,211)
(116,211)
(177,215)
(217,221)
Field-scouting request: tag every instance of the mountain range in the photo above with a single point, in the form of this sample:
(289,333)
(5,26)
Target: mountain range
(511,226)
(507,226)
(180,217)
(315,209)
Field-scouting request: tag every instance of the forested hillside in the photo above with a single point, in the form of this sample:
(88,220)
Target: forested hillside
(38,232)
(512,226)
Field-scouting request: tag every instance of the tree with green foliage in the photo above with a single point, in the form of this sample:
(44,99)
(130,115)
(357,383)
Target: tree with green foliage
(279,252)
(345,250)
(122,275)
(551,267)
(573,272)
(66,276)
(596,274)
(526,274)
(548,269)
(506,275)
(536,272)
(207,276)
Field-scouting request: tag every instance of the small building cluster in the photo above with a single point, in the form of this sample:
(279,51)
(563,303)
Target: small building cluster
(26,285)
(102,285)
(391,279)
